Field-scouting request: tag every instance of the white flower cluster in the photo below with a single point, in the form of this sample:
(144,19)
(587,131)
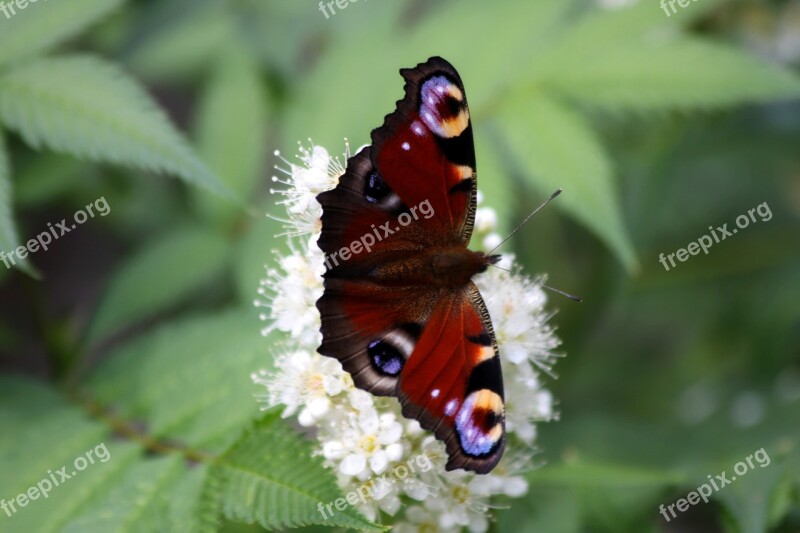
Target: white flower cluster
(361,436)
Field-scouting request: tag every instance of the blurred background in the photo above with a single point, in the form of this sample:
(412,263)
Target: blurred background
(138,327)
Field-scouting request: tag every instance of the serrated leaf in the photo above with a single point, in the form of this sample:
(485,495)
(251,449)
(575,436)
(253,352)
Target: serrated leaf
(44,24)
(186,514)
(232,127)
(88,107)
(558,149)
(680,74)
(158,277)
(9,238)
(271,477)
(189,379)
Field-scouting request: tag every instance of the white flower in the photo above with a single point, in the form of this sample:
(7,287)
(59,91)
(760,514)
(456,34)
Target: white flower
(369,441)
(420,520)
(365,439)
(461,501)
(516,305)
(303,380)
(293,292)
(526,402)
(485,220)
(491,241)
(316,173)
(504,479)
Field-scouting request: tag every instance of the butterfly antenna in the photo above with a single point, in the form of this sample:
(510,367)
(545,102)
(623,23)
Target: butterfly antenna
(558,291)
(562,293)
(501,268)
(527,218)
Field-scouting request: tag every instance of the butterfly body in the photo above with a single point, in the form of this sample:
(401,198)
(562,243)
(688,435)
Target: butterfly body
(400,310)
(450,267)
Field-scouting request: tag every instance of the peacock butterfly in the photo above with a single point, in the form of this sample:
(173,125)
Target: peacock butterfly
(399,309)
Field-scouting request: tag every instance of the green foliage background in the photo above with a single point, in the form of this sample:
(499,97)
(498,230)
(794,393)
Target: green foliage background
(138,330)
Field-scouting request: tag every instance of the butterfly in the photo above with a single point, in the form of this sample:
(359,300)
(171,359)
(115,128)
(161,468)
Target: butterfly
(399,309)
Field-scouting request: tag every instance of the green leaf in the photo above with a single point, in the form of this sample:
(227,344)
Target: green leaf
(328,105)
(255,253)
(88,107)
(232,127)
(270,476)
(158,277)
(186,514)
(676,74)
(558,149)
(597,27)
(140,502)
(550,510)
(494,179)
(528,30)
(44,24)
(287,23)
(759,499)
(604,475)
(179,38)
(331,103)
(32,416)
(9,238)
(189,379)
(48,177)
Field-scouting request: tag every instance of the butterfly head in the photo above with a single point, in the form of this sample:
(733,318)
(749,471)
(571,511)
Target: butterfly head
(492,259)
(486,260)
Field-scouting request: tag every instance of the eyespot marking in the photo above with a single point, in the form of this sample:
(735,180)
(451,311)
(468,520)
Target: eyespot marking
(385,358)
(378,192)
(375,189)
(389,353)
(442,107)
(479,423)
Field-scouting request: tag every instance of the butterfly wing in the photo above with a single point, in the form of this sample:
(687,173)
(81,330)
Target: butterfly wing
(453,383)
(421,162)
(425,149)
(387,333)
